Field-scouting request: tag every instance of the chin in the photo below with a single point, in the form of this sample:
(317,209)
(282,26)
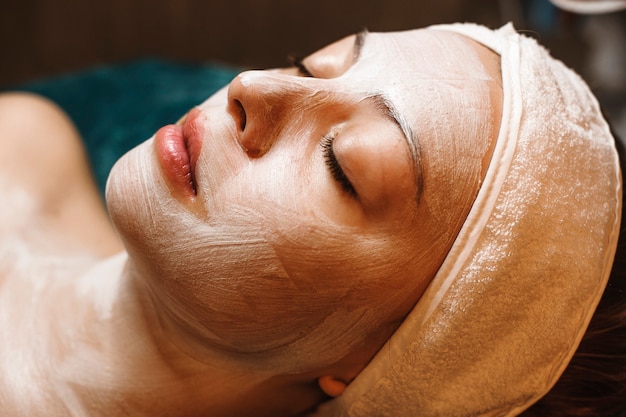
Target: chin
(133,186)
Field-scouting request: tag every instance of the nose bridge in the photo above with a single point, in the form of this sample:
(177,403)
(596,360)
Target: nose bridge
(274,83)
(264,102)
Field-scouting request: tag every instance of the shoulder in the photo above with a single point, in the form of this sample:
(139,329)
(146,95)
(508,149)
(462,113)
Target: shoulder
(45,181)
(39,146)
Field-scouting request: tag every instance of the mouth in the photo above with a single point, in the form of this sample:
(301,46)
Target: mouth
(177,148)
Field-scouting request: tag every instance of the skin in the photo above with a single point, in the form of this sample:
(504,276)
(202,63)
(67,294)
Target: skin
(267,276)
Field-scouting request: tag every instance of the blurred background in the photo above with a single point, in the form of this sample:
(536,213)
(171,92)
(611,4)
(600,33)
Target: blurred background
(167,45)
(46,37)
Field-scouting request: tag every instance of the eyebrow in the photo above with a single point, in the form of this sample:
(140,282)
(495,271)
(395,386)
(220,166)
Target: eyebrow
(359,41)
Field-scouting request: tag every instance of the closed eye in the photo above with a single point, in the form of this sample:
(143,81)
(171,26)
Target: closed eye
(334,167)
(297,62)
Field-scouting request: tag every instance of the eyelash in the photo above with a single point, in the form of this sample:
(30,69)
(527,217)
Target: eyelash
(333,165)
(297,62)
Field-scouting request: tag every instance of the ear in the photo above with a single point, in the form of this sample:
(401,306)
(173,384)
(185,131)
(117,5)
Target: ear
(332,386)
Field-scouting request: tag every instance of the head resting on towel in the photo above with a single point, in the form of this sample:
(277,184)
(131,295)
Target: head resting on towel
(508,307)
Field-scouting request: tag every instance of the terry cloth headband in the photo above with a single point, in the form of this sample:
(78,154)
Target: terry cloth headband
(506,311)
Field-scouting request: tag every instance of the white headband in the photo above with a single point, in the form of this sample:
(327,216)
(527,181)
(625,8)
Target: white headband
(510,304)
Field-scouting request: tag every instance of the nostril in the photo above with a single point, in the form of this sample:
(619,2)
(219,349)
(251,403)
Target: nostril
(241,113)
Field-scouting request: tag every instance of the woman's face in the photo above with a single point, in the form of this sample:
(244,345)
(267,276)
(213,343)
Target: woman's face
(306,209)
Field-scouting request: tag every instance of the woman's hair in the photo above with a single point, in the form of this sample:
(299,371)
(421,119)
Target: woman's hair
(594,382)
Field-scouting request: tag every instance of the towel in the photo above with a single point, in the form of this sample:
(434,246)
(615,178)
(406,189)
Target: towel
(507,309)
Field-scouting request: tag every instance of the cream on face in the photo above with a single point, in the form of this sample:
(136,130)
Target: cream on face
(319,207)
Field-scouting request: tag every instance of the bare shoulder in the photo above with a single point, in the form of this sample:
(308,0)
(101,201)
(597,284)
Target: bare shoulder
(45,179)
(39,144)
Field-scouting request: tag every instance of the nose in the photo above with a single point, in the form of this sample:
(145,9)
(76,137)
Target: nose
(263,104)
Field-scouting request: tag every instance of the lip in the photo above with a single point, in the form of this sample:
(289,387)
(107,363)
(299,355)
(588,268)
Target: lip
(177,149)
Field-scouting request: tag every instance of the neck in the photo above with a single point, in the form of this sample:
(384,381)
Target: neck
(113,356)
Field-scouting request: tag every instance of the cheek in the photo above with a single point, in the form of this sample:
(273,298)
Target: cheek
(223,282)
(236,290)
(267,184)
(354,283)
(290,182)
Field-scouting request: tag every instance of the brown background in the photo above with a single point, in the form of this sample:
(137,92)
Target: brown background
(47,37)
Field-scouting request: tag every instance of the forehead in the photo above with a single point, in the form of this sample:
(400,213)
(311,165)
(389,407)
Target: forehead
(420,68)
(428,52)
